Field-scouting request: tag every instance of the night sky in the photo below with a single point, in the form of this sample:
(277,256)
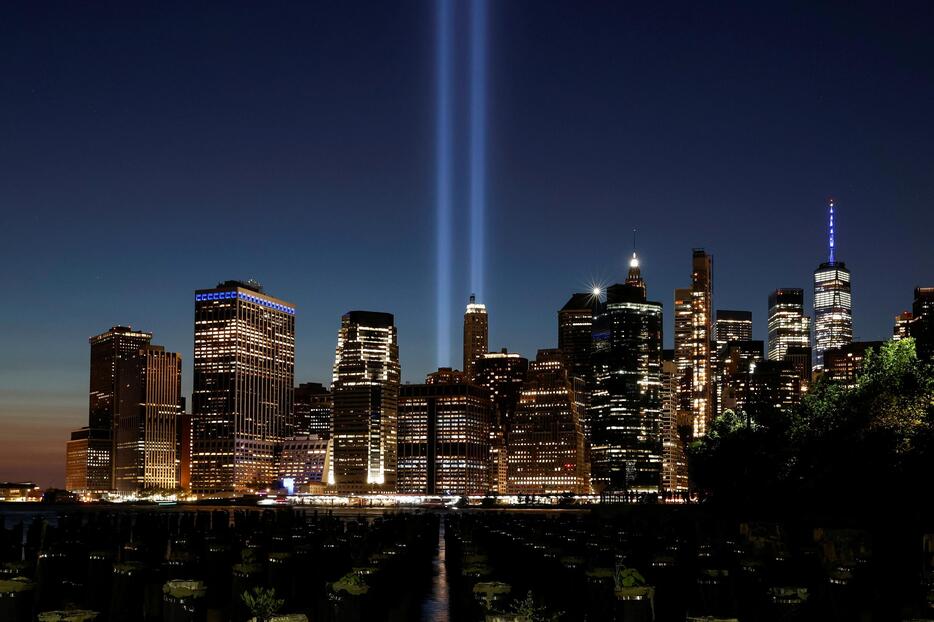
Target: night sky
(150,150)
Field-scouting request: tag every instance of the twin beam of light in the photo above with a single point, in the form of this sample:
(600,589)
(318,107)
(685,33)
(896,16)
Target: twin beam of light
(444,152)
(443,131)
(478,44)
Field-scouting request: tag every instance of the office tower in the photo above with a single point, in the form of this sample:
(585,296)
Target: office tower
(683,358)
(674,461)
(244,369)
(88,461)
(625,405)
(730,326)
(476,336)
(788,325)
(108,350)
(365,394)
(833,319)
(693,336)
(145,434)
(733,326)
(444,436)
(844,364)
(311,410)
(775,385)
(902,327)
(575,328)
(738,361)
(922,324)
(546,442)
(501,374)
(303,463)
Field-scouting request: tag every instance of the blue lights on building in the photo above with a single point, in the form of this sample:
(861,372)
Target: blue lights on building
(246,297)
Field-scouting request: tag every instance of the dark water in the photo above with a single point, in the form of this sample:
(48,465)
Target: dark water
(436,607)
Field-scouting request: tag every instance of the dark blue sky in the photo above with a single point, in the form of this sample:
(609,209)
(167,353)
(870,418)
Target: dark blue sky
(149,150)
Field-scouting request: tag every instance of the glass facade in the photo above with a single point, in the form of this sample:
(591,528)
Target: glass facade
(502,374)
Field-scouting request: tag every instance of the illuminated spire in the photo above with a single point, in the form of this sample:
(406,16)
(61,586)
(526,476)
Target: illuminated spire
(831,232)
(635,274)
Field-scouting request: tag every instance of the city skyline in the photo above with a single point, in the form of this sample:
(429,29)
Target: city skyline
(225,189)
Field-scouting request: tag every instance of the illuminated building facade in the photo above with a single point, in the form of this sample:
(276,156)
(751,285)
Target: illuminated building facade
(311,409)
(476,336)
(302,461)
(733,326)
(444,436)
(693,336)
(730,326)
(902,327)
(774,385)
(501,374)
(683,357)
(244,369)
(365,394)
(108,351)
(88,464)
(546,452)
(674,460)
(626,401)
(788,325)
(833,317)
(844,364)
(738,361)
(922,323)
(145,433)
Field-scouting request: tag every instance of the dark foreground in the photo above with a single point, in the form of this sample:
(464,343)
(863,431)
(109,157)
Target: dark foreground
(632,563)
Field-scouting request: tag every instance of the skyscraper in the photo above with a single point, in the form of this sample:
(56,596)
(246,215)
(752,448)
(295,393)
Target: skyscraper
(683,358)
(145,433)
(738,361)
(575,328)
(502,374)
(833,319)
(674,461)
(312,410)
(244,369)
(108,352)
(444,436)
(733,326)
(476,336)
(693,336)
(844,364)
(626,402)
(788,324)
(922,323)
(902,326)
(365,393)
(546,442)
(730,326)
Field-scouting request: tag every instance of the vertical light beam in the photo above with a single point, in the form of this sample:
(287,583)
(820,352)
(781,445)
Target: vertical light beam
(478,71)
(443,135)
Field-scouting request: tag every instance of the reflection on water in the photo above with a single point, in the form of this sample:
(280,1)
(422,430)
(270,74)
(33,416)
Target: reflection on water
(436,606)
